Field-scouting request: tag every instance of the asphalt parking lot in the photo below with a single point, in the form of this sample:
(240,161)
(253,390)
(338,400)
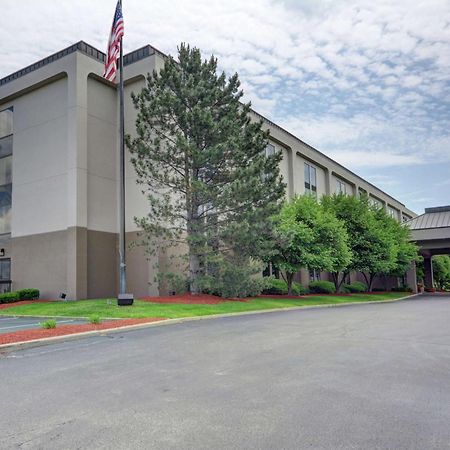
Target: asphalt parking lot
(356,377)
(10,324)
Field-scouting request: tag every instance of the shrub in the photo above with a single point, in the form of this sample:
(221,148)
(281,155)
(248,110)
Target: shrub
(275,286)
(377,289)
(95,319)
(48,324)
(9,297)
(298,289)
(233,278)
(28,294)
(322,287)
(401,289)
(355,287)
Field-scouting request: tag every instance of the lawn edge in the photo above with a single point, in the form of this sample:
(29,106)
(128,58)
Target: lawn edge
(70,337)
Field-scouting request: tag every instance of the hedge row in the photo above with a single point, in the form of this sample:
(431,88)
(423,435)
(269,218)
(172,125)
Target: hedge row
(21,294)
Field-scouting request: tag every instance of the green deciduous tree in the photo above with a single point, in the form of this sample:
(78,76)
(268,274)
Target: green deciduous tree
(308,236)
(379,244)
(201,162)
(441,270)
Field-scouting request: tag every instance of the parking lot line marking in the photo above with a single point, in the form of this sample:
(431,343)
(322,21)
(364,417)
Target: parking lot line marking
(31,325)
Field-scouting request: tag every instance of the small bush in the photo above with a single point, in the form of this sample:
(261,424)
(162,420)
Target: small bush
(275,286)
(298,289)
(322,287)
(49,324)
(376,289)
(28,294)
(95,319)
(402,289)
(9,297)
(355,287)
(233,278)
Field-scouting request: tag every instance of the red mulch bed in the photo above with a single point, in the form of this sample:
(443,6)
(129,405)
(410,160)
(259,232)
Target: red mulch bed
(23,302)
(61,330)
(189,299)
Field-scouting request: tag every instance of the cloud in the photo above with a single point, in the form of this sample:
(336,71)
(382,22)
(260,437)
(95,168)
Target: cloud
(374,159)
(358,79)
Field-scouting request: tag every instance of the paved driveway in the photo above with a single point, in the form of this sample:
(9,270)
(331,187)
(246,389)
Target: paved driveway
(358,377)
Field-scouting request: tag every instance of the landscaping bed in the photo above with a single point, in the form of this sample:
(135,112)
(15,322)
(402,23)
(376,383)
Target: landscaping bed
(107,309)
(62,330)
(189,299)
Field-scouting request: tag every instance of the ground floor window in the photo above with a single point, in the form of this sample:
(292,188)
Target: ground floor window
(5,275)
(314,275)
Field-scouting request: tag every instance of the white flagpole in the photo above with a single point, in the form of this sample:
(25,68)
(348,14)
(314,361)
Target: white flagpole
(122,261)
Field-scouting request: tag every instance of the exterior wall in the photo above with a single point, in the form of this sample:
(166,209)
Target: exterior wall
(65,172)
(40,261)
(102,260)
(39,194)
(101,157)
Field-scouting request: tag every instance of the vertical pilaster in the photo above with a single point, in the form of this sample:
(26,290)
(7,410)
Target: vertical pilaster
(290,181)
(411,277)
(428,272)
(328,182)
(77,181)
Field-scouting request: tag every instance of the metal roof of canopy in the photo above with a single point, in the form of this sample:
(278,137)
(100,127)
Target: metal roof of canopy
(437,217)
(431,230)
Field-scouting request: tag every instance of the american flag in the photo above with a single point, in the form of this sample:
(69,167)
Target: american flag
(115,40)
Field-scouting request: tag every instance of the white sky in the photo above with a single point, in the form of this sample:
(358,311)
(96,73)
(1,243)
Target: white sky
(366,82)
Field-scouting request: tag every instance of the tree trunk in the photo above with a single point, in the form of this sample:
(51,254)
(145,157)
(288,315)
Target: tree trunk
(371,278)
(368,283)
(194,268)
(338,282)
(290,279)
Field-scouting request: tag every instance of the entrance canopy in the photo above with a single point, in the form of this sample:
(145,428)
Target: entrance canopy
(431,231)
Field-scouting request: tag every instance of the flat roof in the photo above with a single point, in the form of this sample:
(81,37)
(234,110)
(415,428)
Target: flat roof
(87,50)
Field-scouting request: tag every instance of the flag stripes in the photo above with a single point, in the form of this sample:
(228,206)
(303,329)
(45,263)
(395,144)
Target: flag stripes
(114,43)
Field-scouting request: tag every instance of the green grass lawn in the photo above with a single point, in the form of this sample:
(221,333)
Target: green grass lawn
(108,308)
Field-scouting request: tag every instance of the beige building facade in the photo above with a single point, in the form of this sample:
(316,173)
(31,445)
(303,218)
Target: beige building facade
(59,176)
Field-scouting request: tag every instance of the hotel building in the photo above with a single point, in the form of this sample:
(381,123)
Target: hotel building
(59,176)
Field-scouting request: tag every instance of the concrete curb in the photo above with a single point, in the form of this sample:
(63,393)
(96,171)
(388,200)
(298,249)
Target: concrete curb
(71,337)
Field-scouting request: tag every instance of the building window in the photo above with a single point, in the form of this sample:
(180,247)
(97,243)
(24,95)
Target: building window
(375,202)
(6,148)
(341,187)
(310,180)
(270,150)
(6,122)
(314,275)
(392,213)
(5,275)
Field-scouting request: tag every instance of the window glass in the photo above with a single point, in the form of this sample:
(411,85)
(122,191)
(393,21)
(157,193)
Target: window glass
(341,187)
(5,209)
(270,150)
(5,269)
(5,170)
(6,122)
(310,179)
(307,179)
(6,146)
(313,177)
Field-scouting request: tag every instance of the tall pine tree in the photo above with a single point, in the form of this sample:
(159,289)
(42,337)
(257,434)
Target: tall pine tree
(201,161)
